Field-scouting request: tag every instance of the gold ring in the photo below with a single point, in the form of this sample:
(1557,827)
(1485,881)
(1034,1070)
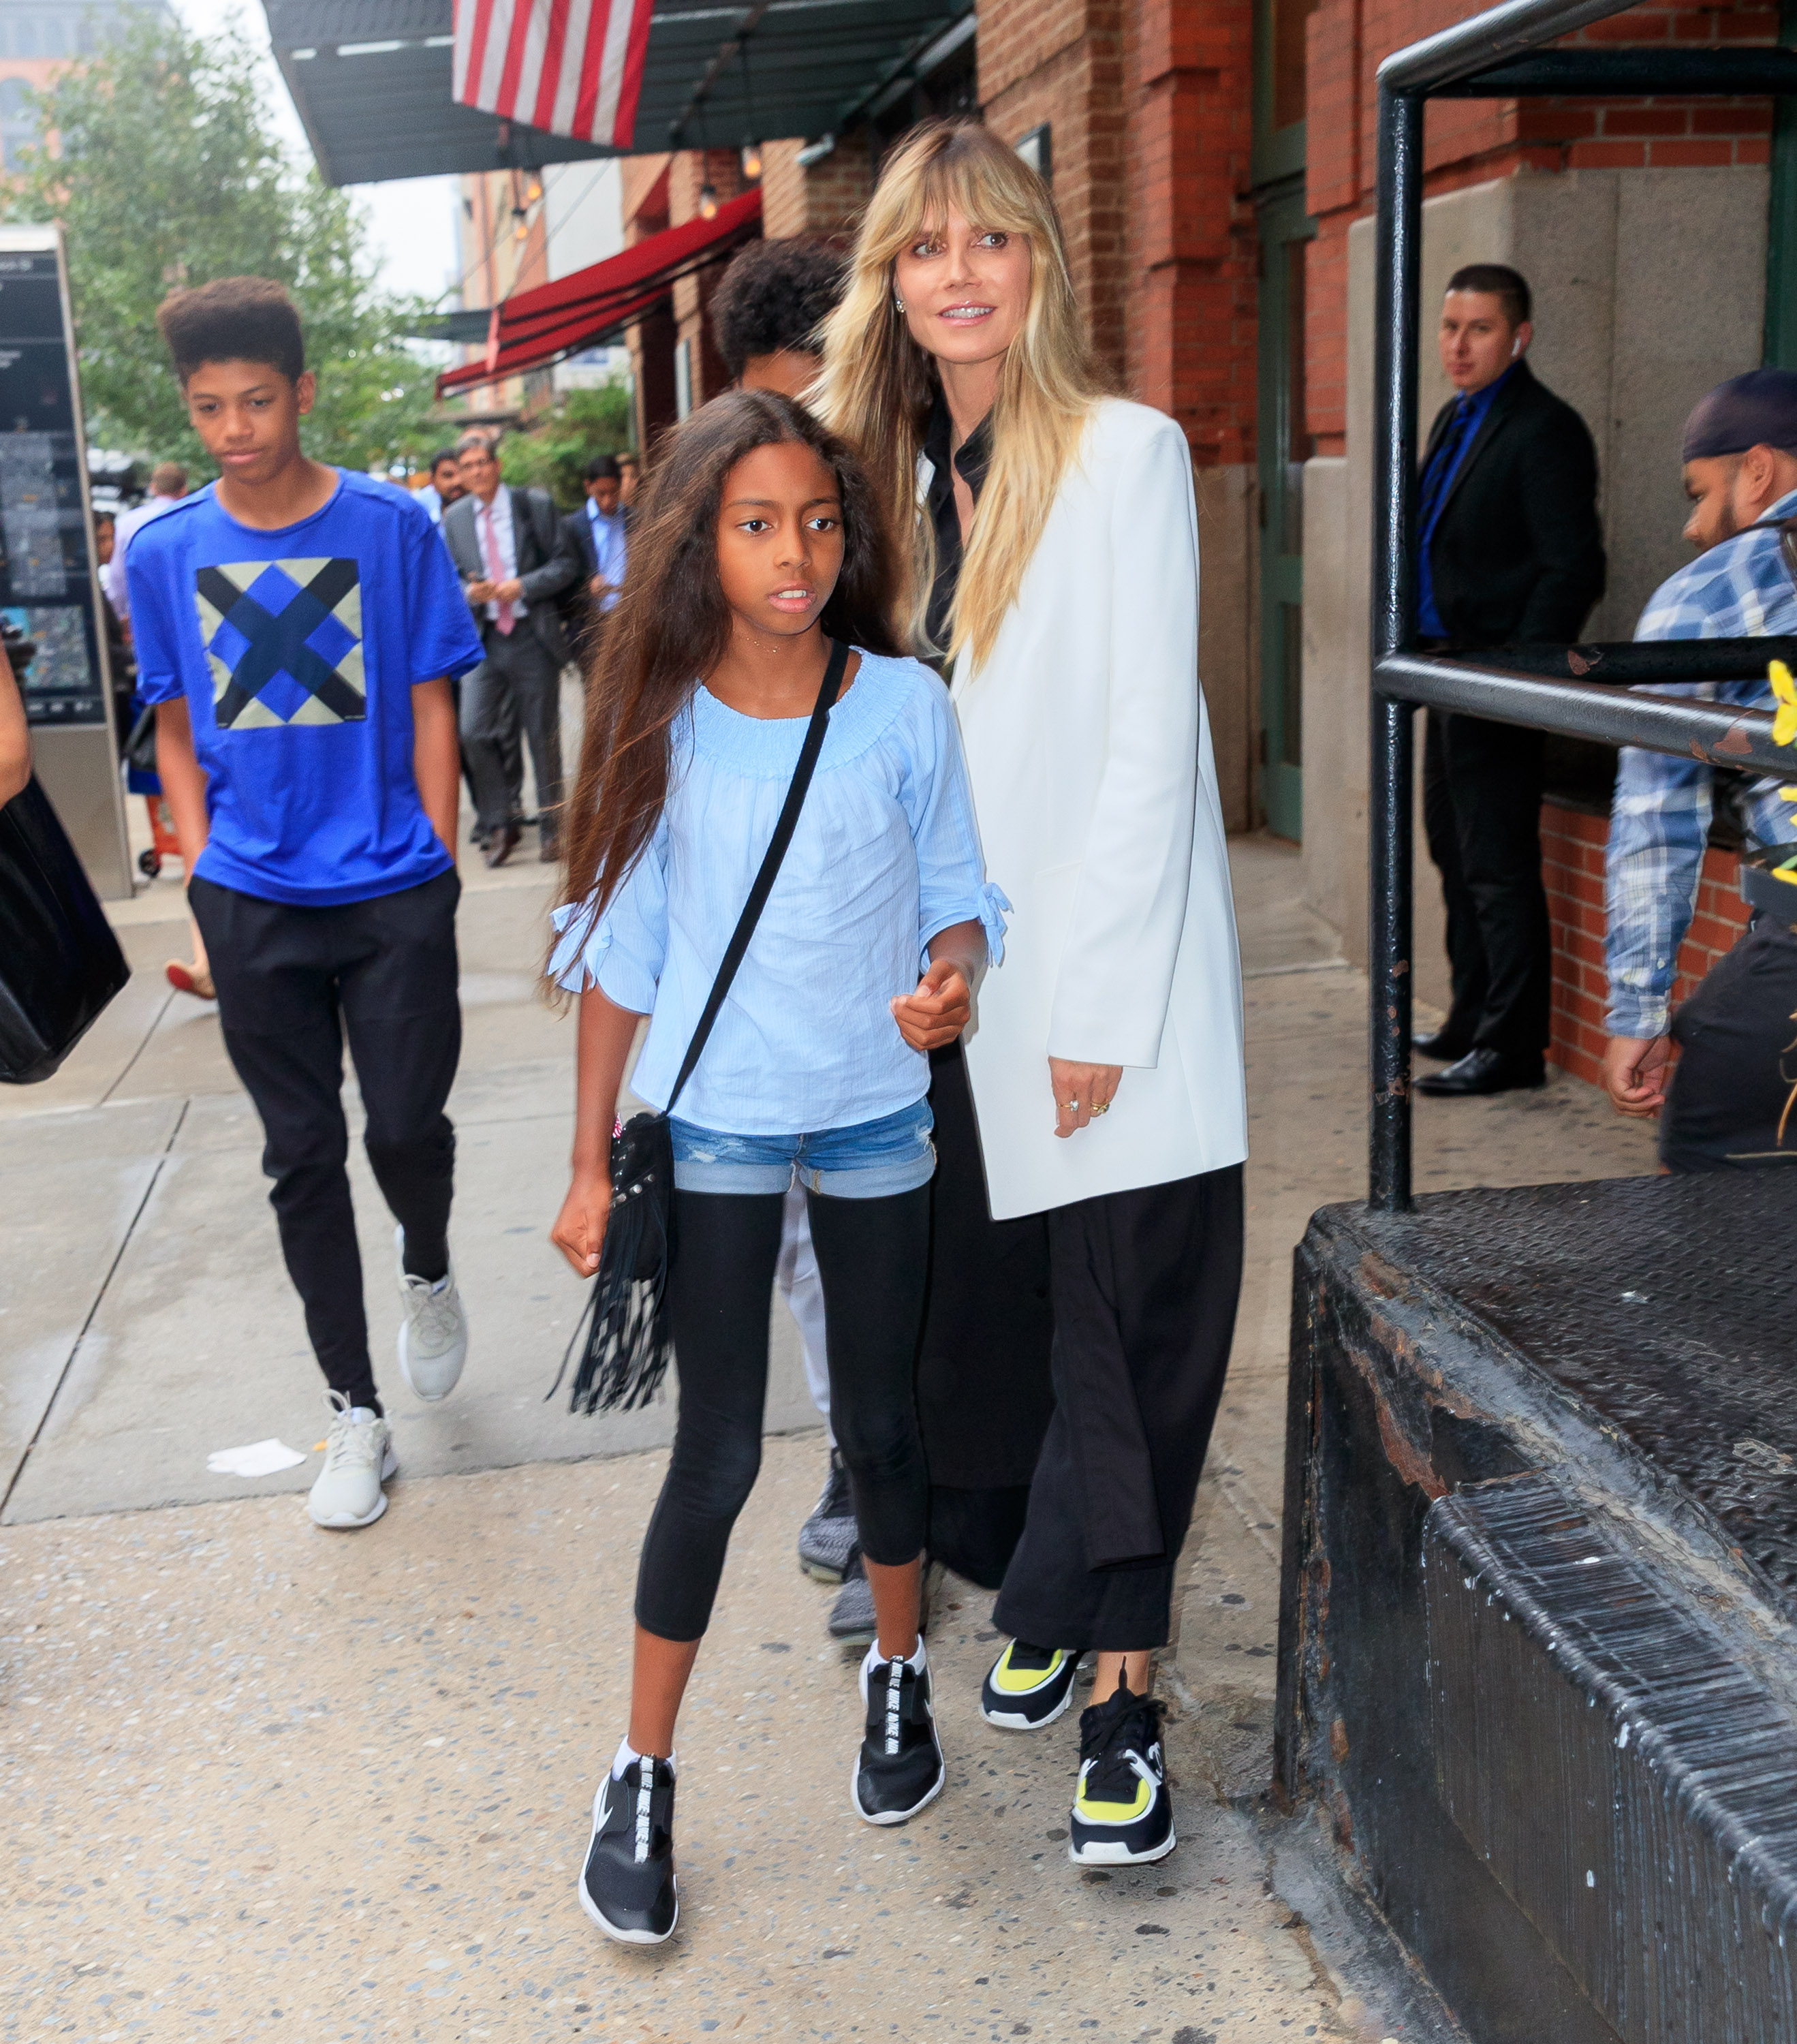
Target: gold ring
(1101,1108)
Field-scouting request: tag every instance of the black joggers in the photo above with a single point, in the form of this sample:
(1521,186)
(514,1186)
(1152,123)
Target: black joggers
(1732,1101)
(292,983)
(1482,811)
(870,1255)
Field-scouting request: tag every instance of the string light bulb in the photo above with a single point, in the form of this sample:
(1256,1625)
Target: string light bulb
(534,193)
(751,161)
(708,201)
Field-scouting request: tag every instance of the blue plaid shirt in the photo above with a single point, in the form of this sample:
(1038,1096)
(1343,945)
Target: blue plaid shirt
(1659,818)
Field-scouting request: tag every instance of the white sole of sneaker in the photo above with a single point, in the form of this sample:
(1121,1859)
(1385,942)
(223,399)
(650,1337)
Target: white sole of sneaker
(1015,1721)
(885,1817)
(820,1571)
(1120,1855)
(342,1522)
(627,1937)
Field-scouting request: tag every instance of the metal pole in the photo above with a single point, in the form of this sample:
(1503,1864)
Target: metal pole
(1394,433)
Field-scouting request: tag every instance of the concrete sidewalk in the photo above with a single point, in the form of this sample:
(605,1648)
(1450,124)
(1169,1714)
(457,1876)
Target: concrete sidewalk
(262,1777)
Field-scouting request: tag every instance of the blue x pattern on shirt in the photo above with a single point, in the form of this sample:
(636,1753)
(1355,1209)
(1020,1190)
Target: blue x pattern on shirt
(1659,817)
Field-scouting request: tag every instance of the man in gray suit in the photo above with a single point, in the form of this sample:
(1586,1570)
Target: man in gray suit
(508,549)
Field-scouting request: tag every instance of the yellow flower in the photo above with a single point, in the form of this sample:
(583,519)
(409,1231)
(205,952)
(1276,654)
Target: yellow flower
(1784,718)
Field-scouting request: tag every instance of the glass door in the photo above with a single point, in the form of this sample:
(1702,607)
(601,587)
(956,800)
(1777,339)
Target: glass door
(1284,445)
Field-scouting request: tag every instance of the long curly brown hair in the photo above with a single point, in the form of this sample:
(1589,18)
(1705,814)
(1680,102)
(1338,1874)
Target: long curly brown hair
(671,625)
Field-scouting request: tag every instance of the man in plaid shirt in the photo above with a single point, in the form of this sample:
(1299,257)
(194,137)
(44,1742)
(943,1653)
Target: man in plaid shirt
(1730,1101)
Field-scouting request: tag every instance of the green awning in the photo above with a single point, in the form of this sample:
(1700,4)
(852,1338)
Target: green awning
(371,80)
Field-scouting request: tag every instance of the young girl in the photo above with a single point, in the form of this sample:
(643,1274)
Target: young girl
(758,546)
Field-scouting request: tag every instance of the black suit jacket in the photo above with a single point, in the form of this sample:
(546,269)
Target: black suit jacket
(547,567)
(1518,554)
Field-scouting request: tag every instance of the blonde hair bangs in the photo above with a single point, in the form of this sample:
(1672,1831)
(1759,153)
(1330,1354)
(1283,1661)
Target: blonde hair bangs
(877,385)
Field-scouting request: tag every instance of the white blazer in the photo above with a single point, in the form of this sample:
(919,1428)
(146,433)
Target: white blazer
(1096,795)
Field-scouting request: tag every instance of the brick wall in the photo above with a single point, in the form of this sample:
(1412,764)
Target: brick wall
(1573,849)
(825,199)
(1468,140)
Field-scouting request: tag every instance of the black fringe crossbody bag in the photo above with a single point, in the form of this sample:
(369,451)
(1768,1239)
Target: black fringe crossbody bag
(627,1344)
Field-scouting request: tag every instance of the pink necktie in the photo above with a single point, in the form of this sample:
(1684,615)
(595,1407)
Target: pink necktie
(495,567)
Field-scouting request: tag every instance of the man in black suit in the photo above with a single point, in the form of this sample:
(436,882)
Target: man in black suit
(598,537)
(1508,551)
(509,550)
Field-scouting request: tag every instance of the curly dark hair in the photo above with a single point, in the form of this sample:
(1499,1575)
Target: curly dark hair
(232,319)
(672,625)
(775,295)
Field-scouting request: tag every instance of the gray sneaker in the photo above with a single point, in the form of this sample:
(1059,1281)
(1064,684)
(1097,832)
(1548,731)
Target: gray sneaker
(826,1537)
(851,1616)
(433,1334)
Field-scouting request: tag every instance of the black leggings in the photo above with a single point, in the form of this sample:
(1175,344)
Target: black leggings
(871,1255)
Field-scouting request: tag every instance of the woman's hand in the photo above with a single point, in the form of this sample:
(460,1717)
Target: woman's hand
(1081,1091)
(940,1009)
(579,1231)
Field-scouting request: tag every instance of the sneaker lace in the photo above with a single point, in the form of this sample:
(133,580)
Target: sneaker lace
(433,1313)
(1112,1749)
(348,1446)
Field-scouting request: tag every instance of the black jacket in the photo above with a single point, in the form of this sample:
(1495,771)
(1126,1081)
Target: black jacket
(1518,555)
(547,567)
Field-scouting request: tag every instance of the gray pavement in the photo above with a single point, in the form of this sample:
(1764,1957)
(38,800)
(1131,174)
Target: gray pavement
(266,1781)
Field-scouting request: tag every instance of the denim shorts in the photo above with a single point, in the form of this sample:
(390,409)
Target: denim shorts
(873,1160)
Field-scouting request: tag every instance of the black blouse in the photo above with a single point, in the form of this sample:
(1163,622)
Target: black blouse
(972,463)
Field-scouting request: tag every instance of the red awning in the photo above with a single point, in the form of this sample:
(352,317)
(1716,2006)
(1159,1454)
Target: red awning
(538,327)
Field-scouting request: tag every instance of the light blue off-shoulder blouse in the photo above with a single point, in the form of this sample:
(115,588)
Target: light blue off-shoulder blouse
(886,854)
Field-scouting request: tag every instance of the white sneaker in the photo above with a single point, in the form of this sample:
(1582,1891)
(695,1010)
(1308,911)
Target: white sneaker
(433,1337)
(358,1458)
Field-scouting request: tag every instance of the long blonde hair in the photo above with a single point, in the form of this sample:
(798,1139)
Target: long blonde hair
(877,385)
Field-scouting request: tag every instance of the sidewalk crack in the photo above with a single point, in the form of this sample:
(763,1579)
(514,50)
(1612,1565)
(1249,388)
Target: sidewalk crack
(104,1286)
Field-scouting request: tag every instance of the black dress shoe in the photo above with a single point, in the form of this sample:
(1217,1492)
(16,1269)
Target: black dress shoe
(1439,1045)
(500,844)
(1484,1071)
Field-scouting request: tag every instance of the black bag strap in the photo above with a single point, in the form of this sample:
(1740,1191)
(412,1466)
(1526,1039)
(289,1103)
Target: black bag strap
(770,863)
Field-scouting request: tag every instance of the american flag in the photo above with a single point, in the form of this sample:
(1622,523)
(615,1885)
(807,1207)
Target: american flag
(572,66)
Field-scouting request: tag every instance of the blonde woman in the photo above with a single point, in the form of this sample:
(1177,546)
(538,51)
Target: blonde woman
(1053,566)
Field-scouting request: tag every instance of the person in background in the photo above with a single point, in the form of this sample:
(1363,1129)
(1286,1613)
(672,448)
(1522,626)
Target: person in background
(314,780)
(595,534)
(514,560)
(1508,551)
(444,486)
(766,317)
(168,485)
(766,313)
(15,736)
(630,477)
(1730,1102)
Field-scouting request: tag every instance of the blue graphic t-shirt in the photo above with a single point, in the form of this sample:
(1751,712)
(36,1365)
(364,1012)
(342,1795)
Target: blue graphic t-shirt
(298,651)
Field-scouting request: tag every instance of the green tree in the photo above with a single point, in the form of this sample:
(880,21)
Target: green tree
(163,170)
(551,452)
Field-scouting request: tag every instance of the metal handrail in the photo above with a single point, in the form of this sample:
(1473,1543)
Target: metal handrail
(1497,53)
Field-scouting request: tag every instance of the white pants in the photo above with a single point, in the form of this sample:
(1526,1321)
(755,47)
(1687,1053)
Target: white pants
(796,1274)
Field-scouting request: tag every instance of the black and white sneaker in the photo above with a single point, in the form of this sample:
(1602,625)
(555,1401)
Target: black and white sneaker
(627,1885)
(1122,1812)
(826,1537)
(899,1767)
(1027,1687)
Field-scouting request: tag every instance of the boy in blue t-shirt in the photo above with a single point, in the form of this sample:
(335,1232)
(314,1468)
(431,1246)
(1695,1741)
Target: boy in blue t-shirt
(296,628)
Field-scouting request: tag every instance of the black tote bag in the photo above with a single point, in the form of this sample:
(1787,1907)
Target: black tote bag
(60,962)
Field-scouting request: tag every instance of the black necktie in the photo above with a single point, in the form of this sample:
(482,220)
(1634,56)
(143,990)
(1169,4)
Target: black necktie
(1441,468)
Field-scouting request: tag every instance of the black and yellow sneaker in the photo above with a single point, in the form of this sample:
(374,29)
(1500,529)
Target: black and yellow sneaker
(899,1767)
(1027,1687)
(627,1885)
(1122,1812)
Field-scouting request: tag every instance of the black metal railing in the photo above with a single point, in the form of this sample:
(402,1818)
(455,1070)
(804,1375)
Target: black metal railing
(1499,55)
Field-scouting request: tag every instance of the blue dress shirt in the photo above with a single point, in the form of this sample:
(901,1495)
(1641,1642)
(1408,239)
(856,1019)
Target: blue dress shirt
(611,547)
(1469,414)
(886,856)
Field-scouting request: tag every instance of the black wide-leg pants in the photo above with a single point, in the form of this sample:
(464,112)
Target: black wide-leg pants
(1144,1285)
